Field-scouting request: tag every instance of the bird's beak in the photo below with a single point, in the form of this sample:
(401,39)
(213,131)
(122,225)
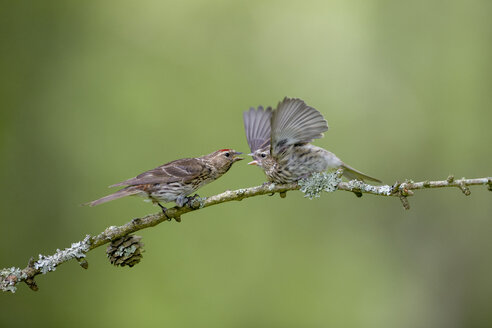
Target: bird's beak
(235,158)
(253,163)
(250,154)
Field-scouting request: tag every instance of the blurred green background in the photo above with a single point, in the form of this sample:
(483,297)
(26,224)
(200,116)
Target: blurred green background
(95,92)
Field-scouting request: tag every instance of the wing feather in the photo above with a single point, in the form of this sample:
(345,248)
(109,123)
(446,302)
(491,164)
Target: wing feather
(257,127)
(295,122)
(181,170)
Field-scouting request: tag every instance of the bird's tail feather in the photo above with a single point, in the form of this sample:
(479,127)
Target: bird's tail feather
(120,193)
(351,173)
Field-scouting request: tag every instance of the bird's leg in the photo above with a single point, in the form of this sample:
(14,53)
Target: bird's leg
(164,210)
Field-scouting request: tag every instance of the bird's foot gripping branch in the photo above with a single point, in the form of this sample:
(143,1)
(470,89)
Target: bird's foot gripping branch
(126,249)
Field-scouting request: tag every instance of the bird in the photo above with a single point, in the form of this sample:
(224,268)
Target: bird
(174,181)
(280,143)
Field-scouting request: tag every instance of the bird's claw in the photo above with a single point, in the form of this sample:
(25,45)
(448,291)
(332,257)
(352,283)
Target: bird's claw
(164,210)
(191,201)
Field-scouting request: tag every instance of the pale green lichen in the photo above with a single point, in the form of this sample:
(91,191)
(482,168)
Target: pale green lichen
(126,251)
(9,277)
(202,200)
(49,263)
(319,182)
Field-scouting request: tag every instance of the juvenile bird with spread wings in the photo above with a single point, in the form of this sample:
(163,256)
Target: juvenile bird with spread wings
(280,142)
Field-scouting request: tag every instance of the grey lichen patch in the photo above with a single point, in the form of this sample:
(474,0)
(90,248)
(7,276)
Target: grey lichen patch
(9,277)
(48,263)
(358,185)
(384,190)
(110,232)
(319,182)
(240,193)
(201,201)
(271,186)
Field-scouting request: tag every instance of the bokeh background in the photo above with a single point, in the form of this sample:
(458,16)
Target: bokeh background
(95,92)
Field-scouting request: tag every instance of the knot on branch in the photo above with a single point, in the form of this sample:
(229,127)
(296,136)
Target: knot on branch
(30,272)
(462,185)
(401,190)
(126,250)
(319,182)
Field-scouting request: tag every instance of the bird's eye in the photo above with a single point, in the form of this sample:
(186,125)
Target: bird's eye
(263,155)
(227,154)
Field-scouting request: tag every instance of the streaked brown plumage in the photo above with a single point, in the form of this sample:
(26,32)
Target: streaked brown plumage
(173,181)
(285,154)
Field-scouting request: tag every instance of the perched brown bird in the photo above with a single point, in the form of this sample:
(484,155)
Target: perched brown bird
(173,181)
(284,151)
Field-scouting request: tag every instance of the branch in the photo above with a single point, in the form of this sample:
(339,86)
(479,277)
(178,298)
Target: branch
(311,187)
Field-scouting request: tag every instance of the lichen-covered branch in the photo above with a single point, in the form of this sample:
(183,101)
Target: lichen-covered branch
(311,187)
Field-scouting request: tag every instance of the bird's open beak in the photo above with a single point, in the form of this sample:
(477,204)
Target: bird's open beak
(252,162)
(235,156)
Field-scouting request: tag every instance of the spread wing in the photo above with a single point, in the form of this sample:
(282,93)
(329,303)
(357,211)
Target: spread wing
(295,122)
(257,127)
(181,170)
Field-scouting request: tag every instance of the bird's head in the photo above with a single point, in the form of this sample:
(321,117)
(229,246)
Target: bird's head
(222,159)
(261,157)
